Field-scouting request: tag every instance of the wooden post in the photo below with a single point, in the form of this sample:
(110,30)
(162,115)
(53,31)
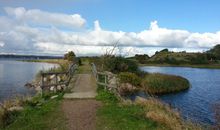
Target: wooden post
(42,81)
(105,81)
(56,81)
(42,84)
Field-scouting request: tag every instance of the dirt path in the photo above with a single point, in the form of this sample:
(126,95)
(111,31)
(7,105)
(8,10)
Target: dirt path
(81,114)
(80,106)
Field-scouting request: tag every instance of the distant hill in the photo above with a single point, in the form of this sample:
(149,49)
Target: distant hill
(214,53)
(11,56)
(168,57)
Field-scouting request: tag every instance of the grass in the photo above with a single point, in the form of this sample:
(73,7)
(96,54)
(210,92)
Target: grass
(115,116)
(143,114)
(157,83)
(164,115)
(85,68)
(39,117)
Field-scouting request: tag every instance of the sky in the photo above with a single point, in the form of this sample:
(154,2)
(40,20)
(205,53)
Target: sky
(90,27)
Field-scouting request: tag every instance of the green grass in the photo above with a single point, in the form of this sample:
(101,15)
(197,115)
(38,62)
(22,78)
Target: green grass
(85,68)
(162,83)
(115,116)
(43,117)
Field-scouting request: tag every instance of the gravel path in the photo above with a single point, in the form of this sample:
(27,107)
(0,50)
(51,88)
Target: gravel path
(81,114)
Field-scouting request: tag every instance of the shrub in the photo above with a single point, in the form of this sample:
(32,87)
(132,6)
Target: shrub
(120,64)
(127,77)
(70,56)
(162,83)
(142,58)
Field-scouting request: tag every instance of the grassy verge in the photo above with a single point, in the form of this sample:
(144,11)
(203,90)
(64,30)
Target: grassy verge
(208,66)
(157,83)
(143,114)
(39,114)
(54,61)
(113,115)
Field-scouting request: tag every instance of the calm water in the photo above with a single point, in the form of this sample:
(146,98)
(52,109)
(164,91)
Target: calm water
(197,102)
(15,74)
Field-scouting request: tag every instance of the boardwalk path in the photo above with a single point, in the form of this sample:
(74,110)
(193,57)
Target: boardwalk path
(80,106)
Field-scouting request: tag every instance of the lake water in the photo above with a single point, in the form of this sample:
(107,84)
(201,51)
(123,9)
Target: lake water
(15,74)
(197,102)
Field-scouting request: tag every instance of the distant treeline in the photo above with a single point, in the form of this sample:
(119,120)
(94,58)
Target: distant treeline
(165,56)
(11,56)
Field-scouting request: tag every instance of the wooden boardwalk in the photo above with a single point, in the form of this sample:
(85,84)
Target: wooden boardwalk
(84,87)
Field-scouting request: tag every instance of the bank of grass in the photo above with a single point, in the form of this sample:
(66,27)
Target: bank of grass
(54,61)
(157,83)
(114,115)
(143,114)
(165,115)
(41,113)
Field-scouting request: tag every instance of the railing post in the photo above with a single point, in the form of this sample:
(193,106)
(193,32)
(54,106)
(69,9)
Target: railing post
(105,81)
(42,83)
(56,81)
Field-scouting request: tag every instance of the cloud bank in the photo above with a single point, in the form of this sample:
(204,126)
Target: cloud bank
(35,31)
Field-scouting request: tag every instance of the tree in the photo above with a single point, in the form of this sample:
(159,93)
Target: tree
(142,58)
(214,53)
(70,56)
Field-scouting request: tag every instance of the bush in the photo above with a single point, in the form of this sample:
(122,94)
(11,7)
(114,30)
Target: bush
(127,77)
(70,56)
(162,83)
(120,64)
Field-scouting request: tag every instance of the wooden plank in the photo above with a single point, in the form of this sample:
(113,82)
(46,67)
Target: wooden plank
(52,73)
(49,85)
(100,83)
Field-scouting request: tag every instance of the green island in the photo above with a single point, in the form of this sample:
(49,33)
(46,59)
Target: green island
(108,109)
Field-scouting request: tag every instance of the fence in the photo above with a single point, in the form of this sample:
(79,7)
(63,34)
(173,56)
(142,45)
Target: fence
(69,74)
(99,76)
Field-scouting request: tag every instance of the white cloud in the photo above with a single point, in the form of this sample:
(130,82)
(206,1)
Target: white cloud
(2,44)
(37,16)
(18,35)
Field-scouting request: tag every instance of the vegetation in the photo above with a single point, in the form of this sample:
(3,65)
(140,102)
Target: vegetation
(39,113)
(209,59)
(150,114)
(70,56)
(127,77)
(115,116)
(217,116)
(142,58)
(162,114)
(163,83)
(214,53)
(120,64)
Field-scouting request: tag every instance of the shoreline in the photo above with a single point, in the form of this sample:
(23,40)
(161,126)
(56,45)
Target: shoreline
(200,66)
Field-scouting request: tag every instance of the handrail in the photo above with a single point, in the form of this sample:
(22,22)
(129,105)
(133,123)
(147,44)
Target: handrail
(97,76)
(68,73)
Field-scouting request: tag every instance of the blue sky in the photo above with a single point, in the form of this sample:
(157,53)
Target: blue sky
(143,26)
(131,15)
